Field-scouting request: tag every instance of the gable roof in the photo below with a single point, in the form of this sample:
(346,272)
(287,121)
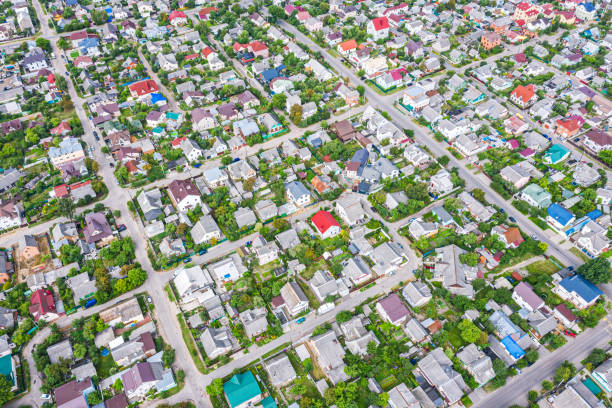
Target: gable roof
(581,286)
(323,220)
(241,388)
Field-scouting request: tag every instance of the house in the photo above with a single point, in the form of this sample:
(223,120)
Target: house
(576,395)
(242,390)
(454,275)
(477,363)
(215,178)
(202,119)
(184,195)
(254,321)
(82,287)
(69,150)
(536,196)
(140,378)
(28,247)
(150,203)
(73,394)
(578,291)
(295,301)
(10,215)
(205,230)
(401,397)
(393,310)
(585,11)
(524,96)
(346,47)
(297,193)
(328,354)
(177,18)
(584,175)
(288,239)
(567,128)
(565,316)
(603,375)
(266,252)
(265,209)
(526,298)
(97,229)
(419,229)
(511,237)
(280,371)
(323,285)
(344,130)
(490,40)
(348,207)
(61,350)
(143,88)
(558,217)
(126,312)
(244,217)
(216,342)
(438,370)
(479,211)
(134,350)
(357,271)
(326,224)
(441,182)
(556,154)
(416,293)
(357,337)
(378,28)
(597,140)
(193,286)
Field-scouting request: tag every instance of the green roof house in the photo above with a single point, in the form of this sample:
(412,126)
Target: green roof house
(536,196)
(242,390)
(557,153)
(7,369)
(268,403)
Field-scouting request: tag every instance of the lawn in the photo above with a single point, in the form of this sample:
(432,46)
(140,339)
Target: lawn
(105,366)
(387,382)
(455,338)
(543,266)
(580,254)
(191,346)
(539,222)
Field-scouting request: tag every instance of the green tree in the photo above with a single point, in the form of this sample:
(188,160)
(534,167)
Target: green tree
(99,17)
(547,385)
(344,316)
(44,44)
(70,253)
(596,270)
(94,398)
(65,207)
(5,390)
(79,351)
(295,113)
(215,388)
(279,101)
(564,372)
(468,331)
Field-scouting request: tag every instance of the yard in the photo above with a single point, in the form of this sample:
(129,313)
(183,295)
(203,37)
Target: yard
(543,266)
(104,369)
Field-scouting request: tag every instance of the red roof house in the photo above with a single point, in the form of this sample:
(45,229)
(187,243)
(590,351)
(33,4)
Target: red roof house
(42,305)
(524,95)
(177,17)
(142,88)
(567,128)
(61,191)
(61,129)
(326,224)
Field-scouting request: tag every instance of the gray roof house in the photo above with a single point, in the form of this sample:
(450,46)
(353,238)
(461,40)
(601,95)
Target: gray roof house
(244,217)
(82,287)
(63,349)
(401,397)
(254,321)
(265,209)
(356,337)
(477,363)
(454,275)
(288,239)
(415,330)
(216,342)
(329,354)
(323,285)
(280,371)
(205,230)
(416,293)
(438,370)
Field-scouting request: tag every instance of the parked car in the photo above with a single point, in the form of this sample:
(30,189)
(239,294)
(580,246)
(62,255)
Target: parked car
(534,236)
(512,219)
(45,397)
(121,227)
(202,251)
(300,320)
(569,333)
(186,260)
(149,299)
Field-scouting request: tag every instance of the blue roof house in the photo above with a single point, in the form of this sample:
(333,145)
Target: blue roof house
(242,390)
(556,154)
(361,156)
(578,290)
(512,347)
(89,46)
(297,193)
(558,217)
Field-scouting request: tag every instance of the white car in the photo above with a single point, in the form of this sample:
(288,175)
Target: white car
(45,397)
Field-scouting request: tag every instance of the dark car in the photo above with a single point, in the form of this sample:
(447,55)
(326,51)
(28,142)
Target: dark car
(186,260)
(512,219)
(121,228)
(374,209)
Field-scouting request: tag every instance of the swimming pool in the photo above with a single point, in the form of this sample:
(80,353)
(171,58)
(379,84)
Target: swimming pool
(590,384)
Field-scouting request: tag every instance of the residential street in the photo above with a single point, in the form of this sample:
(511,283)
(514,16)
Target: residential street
(166,311)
